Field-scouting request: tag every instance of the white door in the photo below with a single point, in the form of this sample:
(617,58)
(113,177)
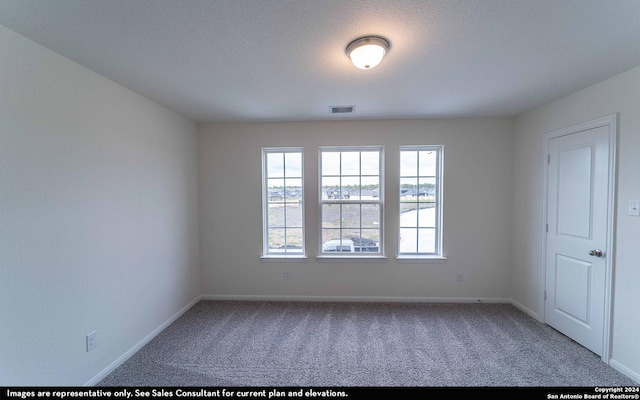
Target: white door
(578,202)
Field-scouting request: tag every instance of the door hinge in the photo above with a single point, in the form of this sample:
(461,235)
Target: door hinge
(547,228)
(545,294)
(548,158)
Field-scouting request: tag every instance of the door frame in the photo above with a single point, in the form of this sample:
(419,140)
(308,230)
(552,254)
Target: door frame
(610,121)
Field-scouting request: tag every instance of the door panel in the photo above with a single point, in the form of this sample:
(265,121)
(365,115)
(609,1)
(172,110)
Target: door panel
(573,280)
(575,187)
(577,213)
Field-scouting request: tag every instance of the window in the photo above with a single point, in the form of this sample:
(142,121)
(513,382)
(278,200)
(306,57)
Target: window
(283,202)
(351,198)
(420,201)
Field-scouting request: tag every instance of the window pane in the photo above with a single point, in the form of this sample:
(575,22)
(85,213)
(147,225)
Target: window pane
(294,240)
(330,234)
(275,196)
(427,163)
(330,188)
(370,216)
(294,215)
(351,215)
(351,187)
(427,216)
(370,162)
(409,163)
(276,216)
(275,183)
(350,163)
(330,163)
(275,165)
(276,238)
(275,190)
(331,215)
(293,190)
(293,165)
(426,240)
(408,188)
(427,188)
(408,240)
(369,188)
(408,215)
(368,238)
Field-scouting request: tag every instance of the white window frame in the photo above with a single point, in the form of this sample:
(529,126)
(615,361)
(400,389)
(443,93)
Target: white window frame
(437,256)
(355,256)
(268,253)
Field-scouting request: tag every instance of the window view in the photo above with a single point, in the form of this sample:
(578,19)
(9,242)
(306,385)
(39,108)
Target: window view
(420,209)
(351,200)
(283,202)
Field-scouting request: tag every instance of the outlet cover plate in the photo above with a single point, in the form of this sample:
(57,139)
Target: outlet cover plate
(634,208)
(92,340)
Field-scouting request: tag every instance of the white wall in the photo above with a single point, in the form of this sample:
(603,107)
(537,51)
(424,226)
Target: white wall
(98,217)
(620,94)
(99,213)
(477,210)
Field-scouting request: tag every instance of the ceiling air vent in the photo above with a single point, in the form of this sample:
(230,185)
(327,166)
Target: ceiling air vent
(342,109)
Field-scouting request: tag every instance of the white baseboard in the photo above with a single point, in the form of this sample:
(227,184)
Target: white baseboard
(103,374)
(624,370)
(379,299)
(525,310)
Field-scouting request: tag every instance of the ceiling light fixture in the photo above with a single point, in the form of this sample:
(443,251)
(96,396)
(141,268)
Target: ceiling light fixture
(367,52)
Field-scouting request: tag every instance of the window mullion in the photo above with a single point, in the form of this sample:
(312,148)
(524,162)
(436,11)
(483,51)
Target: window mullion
(284,202)
(417,204)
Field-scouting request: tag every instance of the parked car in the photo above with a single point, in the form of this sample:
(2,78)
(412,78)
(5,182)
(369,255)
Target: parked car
(353,245)
(364,245)
(338,246)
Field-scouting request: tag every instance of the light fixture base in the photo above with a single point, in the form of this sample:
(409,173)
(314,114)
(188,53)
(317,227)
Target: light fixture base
(375,47)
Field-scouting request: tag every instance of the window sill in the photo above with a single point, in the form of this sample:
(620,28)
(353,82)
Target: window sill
(422,259)
(283,258)
(336,258)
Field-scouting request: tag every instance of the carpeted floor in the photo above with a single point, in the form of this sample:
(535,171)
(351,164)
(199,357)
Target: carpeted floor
(235,343)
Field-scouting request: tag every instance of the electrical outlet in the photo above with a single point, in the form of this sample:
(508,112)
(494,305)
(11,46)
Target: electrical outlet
(634,208)
(92,340)
(287,275)
(459,277)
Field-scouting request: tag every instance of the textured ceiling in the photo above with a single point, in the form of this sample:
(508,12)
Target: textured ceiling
(263,60)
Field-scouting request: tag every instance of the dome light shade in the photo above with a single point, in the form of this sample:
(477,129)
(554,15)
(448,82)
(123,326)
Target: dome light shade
(367,52)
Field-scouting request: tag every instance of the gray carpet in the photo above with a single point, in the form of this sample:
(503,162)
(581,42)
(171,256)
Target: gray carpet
(234,343)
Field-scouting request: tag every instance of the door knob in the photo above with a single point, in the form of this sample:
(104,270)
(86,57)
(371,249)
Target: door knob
(596,253)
